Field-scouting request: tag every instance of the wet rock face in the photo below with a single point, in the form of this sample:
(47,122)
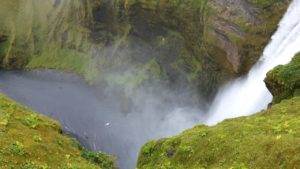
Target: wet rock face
(190,39)
(236,9)
(224,24)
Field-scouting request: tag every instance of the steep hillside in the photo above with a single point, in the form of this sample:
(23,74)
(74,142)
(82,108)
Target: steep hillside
(269,139)
(49,34)
(199,42)
(31,141)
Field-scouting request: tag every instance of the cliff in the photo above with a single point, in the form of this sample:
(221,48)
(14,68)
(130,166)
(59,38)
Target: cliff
(196,42)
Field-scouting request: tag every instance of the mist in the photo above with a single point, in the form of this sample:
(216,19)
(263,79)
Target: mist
(107,118)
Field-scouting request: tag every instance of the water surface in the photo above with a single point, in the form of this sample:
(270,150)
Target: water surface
(100,119)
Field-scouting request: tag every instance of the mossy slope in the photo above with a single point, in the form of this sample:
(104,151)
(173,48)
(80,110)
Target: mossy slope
(31,141)
(270,139)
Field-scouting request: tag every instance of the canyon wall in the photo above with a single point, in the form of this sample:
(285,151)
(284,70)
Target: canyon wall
(195,42)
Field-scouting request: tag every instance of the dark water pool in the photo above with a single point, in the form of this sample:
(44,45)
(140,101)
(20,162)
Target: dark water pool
(99,118)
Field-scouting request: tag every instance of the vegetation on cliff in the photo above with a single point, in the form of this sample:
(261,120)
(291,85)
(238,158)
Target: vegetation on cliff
(269,139)
(32,141)
(200,42)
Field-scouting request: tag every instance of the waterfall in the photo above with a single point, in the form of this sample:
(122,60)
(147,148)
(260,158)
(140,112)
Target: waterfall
(247,95)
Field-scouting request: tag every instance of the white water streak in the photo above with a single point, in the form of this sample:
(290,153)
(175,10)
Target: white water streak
(249,94)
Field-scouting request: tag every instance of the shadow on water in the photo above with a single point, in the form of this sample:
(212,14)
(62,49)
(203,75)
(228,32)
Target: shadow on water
(100,119)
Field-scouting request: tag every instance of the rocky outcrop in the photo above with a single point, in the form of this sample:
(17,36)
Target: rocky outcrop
(284,81)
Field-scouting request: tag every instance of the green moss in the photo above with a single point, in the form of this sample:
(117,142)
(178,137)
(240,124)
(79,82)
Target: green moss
(17,148)
(32,141)
(99,159)
(31,121)
(61,59)
(50,36)
(284,80)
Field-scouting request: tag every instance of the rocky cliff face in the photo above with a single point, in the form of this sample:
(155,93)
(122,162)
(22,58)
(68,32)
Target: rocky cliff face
(198,42)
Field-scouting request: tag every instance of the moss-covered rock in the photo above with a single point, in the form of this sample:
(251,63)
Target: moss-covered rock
(284,80)
(29,140)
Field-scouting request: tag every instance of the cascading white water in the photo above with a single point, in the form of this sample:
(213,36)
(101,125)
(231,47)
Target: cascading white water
(249,94)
